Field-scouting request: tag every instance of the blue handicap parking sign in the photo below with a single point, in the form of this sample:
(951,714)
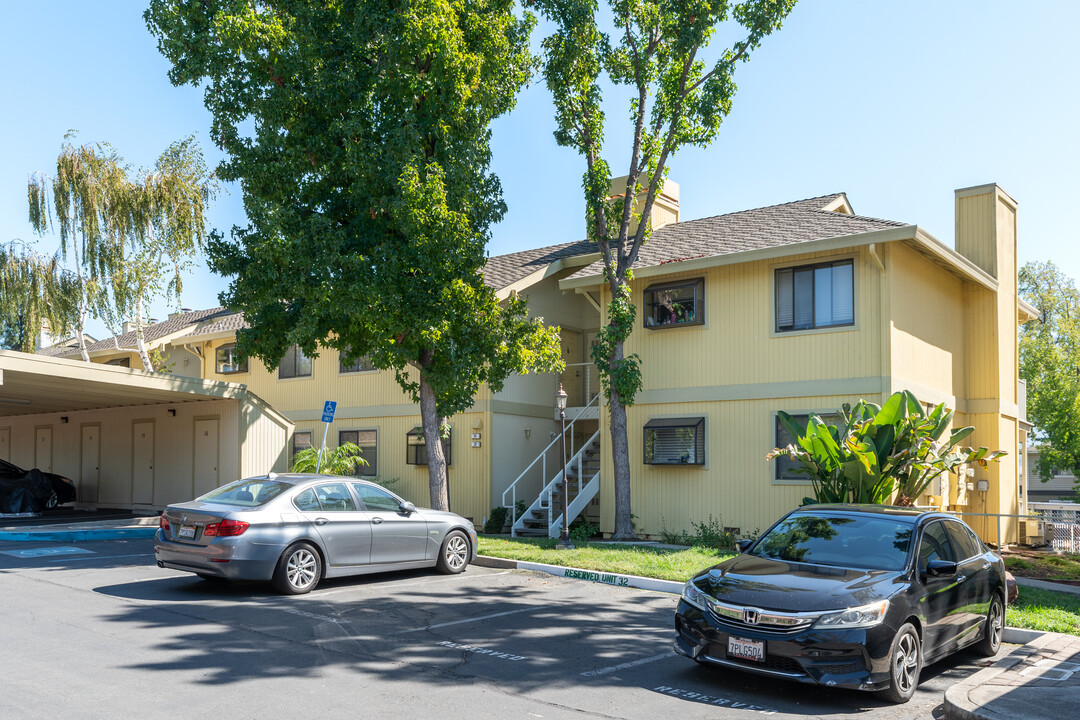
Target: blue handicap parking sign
(329,408)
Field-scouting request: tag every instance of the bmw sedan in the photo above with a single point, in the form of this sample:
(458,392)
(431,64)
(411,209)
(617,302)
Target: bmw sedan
(852,596)
(295,530)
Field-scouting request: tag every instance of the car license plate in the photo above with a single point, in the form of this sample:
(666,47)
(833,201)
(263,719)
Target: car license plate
(186,531)
(746,649)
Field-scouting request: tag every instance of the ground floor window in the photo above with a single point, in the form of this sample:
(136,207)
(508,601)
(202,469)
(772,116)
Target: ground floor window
(785,467)
(416,447)
(675,441)
(367,441)
(300,441)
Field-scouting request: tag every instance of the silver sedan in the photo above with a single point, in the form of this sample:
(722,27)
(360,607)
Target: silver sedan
(294,530)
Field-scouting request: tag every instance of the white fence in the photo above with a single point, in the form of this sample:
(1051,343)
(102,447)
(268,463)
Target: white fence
(1065,517)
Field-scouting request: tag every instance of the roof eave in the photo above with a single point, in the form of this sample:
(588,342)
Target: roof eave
(904,232)
(548,270)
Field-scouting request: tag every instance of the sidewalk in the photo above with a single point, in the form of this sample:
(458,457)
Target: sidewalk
(123,528)
(1039,681)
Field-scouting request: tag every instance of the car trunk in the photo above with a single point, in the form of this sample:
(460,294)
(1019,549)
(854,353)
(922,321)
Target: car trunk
(187,522)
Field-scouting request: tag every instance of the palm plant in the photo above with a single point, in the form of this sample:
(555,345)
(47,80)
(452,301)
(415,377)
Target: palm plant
(877,454)
(343,460)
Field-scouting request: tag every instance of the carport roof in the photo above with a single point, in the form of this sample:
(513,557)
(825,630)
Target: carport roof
(34,384)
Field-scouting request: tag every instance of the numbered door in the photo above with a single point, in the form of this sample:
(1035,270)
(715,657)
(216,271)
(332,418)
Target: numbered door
(5,444)
(572,379)
(142,462)
(206,469)
(43,449)
(90,463)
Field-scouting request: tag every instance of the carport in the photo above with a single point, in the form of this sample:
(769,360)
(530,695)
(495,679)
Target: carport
(130,438)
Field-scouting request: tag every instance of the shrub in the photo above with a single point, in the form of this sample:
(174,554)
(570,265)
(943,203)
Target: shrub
(496,520)
(709,533)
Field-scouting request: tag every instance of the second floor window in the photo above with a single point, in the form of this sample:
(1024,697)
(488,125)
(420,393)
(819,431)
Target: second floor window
(228,362)
(361,364)
(815,296)
(671,304)
(119,362)
(294,364)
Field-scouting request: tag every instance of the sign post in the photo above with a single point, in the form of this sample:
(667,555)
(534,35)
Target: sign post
(329,408)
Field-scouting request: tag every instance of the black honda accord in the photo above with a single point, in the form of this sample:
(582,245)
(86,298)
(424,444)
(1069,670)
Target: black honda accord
(853,596)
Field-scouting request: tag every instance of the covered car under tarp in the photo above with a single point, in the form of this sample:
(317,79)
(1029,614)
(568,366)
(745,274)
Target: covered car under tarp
(30,493)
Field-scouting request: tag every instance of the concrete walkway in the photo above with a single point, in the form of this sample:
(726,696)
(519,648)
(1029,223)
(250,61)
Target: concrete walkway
(125,528)
(1039,681)
(1044,585)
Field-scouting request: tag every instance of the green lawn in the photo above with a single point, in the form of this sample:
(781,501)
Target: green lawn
(1037,609)
(1044,566)
(677,565)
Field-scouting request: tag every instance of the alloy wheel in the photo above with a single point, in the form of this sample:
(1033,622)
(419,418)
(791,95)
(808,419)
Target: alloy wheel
(997,623)
(457,552)
(906,663)
(301,568)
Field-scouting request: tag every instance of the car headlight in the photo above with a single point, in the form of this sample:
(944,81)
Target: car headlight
(856,617)
(692,595)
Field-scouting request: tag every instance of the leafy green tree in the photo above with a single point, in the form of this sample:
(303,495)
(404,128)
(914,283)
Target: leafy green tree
(1050,364)
(655,48)
(367,183)
(343,460)
(82,204)
(34,290)
(880,454)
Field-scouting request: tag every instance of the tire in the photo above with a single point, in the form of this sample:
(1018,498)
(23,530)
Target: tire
(299,570)
(454,553)
(990,643)
(905,664)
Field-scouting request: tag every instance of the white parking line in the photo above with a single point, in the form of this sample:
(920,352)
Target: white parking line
(625,665)
(474,619)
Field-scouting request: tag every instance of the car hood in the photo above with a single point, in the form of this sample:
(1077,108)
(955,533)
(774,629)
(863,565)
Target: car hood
(441,516)
(796,587)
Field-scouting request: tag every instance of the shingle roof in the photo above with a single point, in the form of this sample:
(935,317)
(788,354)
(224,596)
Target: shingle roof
(64,347)
(505,270)
(227,323)
(773,226)
(175,324)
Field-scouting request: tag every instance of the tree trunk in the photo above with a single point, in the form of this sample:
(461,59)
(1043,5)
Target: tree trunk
(140,342)
(429,419)
(620,456)
(79,333)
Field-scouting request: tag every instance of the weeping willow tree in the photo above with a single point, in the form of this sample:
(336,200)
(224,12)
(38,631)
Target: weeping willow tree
(35,290)
(125,238)
(82,203)
(165,225)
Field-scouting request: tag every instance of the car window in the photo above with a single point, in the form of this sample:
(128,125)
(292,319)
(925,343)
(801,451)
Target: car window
(247,493)
(935,545)
(963,541)
(375,498)
(307,502)
(872,543)
(334,497)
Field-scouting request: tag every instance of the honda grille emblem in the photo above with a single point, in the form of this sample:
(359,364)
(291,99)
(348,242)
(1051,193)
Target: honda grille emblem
(751,617)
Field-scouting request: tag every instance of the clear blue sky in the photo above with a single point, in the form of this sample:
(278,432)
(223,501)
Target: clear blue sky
(895,103)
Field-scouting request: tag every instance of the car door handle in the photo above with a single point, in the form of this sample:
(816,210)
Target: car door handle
(960,579)
(376,521)
(321,521)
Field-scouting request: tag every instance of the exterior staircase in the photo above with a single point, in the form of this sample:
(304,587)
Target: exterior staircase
(544,515)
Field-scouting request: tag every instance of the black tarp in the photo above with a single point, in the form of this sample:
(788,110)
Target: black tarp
(31,493)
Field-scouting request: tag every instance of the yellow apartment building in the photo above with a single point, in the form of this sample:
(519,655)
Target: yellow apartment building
(798,307)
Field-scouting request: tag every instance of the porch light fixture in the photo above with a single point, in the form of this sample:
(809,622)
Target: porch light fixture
(564,536)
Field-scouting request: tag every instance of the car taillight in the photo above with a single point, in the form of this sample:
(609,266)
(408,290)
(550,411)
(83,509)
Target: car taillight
(163,523)
(226,528)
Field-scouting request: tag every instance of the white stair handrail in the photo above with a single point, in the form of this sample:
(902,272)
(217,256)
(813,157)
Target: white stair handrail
(549,489)
(542,459)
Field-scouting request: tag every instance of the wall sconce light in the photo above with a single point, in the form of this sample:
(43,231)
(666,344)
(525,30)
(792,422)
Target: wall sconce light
(63,418)
(528,432)
(172,412)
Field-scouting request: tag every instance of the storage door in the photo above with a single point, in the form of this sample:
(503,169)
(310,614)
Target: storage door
(90,463)
(142,462)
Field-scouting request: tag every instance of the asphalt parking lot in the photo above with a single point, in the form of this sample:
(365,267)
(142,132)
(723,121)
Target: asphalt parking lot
(96,630)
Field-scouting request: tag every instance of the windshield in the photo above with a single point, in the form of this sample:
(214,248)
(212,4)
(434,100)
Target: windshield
(865,542)
(246,493)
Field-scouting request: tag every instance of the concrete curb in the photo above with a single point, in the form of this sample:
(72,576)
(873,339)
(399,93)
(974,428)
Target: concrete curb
(1045,585)
(634,581)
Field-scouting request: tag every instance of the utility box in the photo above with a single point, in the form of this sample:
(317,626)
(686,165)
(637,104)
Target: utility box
(1036,532)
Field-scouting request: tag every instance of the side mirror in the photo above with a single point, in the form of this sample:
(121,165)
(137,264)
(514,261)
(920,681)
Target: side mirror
(407,507)
(940,568)
(743,545)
